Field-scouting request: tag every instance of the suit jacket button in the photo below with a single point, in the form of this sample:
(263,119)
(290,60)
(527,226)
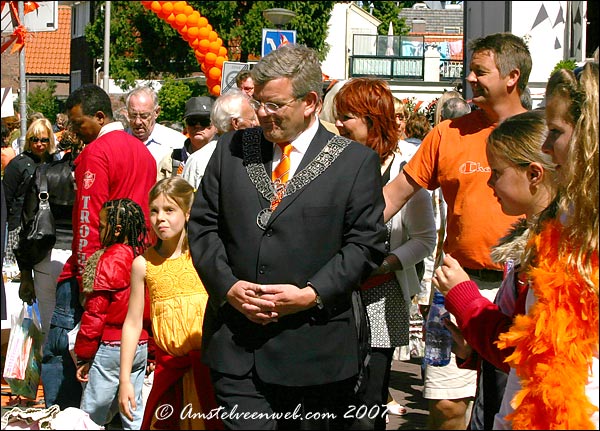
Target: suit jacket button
(270,233)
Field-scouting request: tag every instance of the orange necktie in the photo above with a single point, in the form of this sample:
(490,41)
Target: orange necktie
(282,170)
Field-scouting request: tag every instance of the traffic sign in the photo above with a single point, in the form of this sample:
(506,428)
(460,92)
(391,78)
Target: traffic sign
(273,39)
(230,71)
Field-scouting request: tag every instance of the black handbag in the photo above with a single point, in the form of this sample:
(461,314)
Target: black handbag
(38,235)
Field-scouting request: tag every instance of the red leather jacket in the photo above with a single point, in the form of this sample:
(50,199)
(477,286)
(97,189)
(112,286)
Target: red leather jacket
(106,307)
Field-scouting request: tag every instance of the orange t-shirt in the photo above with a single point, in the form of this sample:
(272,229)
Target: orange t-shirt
(8,153)
(452,156)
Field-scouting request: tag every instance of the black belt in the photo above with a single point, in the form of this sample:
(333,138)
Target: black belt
(485,274)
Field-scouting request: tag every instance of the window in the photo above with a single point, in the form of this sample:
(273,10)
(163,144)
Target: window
(75,80)
(80,15)
(452,30)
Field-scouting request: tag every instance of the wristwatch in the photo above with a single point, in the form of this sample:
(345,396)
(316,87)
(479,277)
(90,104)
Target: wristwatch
(318,301)
(385,265)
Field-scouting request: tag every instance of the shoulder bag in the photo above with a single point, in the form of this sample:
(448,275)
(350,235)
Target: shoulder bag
(38,235)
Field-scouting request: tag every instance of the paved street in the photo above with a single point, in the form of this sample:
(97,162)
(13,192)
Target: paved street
(407,389)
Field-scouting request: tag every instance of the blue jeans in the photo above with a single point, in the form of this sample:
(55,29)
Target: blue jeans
(58,369)
(100,397)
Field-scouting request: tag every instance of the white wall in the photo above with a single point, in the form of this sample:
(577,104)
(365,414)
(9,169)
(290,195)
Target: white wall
(542,25)
(346,20)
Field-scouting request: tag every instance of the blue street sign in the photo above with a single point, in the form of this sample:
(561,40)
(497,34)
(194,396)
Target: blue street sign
(273,39)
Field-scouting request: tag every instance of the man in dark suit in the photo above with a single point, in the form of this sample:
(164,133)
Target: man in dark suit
(280,252)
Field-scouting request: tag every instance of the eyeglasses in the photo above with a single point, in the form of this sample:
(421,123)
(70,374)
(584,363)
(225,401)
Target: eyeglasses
(36,139)
(141,115)
(195,121)
(270,107)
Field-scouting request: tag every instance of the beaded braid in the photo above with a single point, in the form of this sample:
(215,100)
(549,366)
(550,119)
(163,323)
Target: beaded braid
(130,216)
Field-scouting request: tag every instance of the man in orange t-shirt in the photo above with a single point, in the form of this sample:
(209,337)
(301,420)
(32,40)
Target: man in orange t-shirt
(452,156)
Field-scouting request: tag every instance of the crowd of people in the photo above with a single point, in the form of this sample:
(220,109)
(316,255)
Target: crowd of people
(256,269)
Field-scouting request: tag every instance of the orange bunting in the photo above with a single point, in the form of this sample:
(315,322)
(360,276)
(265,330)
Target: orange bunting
(555,342)
(195,29)
(20,32)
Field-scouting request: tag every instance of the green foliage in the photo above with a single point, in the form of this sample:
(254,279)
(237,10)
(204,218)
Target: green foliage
(42,99)
(174,93)
(564,64)
(386,11)
(143,46)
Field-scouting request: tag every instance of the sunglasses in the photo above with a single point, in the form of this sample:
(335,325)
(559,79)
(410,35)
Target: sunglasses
(195,121)
(35,139)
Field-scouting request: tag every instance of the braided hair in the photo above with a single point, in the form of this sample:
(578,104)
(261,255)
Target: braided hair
(130,216)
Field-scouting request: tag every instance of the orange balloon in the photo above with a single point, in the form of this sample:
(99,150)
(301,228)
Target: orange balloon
(183,32)
(156,7)
(203,33)
(180,20)
(167,8)
(162,14)
(147,4)
(203,45)
(192,20)
(212,36)
(210,58)
(214,73)
(204,68)
(192,31)
(223,52)
(171,19)
(216,90)
(199,56)
(188,10)
(193,43)
(202,22)
(214,47)
(211,82)
(219,61)
(179,6)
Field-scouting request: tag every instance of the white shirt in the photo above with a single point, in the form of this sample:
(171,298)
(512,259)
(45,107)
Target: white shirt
(162,141)
(195,165)
(110,127)
(299,147)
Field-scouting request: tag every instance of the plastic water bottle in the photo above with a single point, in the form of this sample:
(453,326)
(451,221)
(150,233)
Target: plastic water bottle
(438,339)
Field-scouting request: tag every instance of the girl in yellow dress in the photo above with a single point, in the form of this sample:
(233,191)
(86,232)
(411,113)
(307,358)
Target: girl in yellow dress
(182,395)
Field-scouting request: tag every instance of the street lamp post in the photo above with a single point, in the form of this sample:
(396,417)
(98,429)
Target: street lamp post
(272,40)
(279,16)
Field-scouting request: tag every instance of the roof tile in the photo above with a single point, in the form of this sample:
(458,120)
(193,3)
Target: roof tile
(49,52)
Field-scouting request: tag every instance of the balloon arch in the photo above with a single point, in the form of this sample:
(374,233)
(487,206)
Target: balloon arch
(199,34)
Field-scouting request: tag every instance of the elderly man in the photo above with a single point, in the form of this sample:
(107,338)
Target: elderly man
(231,111)
(142,111)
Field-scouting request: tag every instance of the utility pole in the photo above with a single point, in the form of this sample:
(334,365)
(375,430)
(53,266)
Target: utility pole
(22,83)
(106,45)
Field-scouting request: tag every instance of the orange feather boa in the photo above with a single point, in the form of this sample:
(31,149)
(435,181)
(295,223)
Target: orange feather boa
(554,343)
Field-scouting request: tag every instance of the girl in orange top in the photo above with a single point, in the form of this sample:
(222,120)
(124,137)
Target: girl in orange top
(178,300)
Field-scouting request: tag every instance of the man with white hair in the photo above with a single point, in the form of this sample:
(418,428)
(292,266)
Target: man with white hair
(143,110)
(230,111)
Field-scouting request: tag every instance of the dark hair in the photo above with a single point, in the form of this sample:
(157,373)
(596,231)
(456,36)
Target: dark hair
(5,134)
(417,126)
(510,52)
(92,99)
(130,216)
(242,76)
